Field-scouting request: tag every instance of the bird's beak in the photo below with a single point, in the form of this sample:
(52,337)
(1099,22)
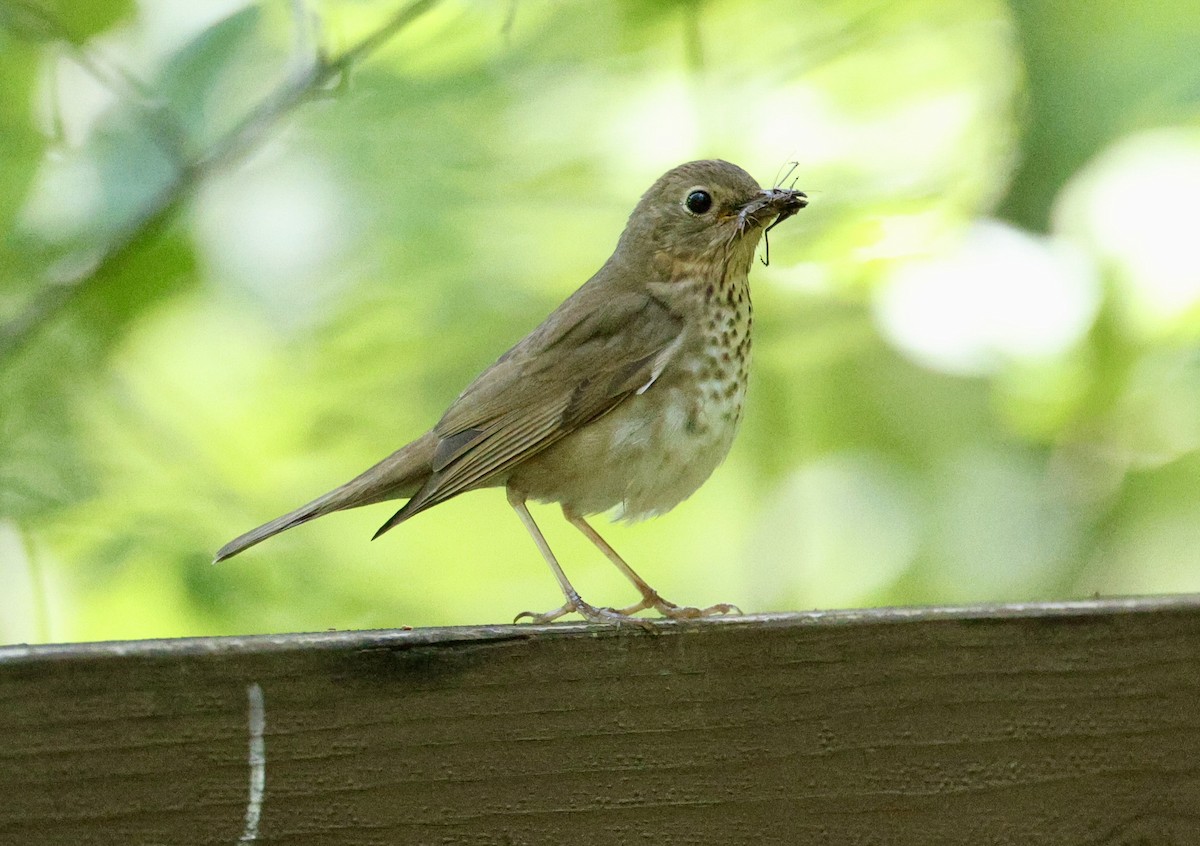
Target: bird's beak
(777,203)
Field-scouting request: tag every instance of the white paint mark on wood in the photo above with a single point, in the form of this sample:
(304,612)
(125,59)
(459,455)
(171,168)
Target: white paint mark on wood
(258,763)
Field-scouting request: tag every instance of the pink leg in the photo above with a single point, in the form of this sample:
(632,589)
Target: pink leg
(574,603)
(650,597)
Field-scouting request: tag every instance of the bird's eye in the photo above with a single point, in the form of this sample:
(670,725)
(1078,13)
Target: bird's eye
(698,202)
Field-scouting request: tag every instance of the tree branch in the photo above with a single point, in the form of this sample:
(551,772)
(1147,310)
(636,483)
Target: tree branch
(68,277)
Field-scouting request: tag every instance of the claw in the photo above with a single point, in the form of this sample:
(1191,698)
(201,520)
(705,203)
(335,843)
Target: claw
(547,617)
(600,616)
(679,612)
(687,612)
(603,616)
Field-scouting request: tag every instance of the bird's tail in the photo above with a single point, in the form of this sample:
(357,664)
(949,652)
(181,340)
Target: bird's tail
(398,476)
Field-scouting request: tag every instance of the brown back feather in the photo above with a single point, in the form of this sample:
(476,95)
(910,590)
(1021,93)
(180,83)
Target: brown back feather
(561,377)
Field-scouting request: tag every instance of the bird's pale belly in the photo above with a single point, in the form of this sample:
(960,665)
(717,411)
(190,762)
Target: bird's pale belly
(647,455)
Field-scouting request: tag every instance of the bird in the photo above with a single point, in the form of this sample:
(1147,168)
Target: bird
(624,399)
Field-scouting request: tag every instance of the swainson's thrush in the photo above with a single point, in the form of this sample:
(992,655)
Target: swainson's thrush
(627,396)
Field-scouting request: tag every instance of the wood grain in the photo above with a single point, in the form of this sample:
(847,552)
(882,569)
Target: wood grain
(1056,724)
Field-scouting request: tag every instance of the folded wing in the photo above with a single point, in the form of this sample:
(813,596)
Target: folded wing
(560,378)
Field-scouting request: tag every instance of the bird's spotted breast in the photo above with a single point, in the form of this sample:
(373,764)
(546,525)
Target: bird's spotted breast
(656,448)
(701,403)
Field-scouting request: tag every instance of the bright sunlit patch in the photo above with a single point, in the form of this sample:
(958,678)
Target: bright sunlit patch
(999,524)
(66,197)
(1156,418)
(277,228)
(879,148)
(70,100)
(903,235)
(809,277)
(800,123)
(839,529)
(659,122)
(169,24)
(18,608)
(1135,206)
(998,294)
(1167,537)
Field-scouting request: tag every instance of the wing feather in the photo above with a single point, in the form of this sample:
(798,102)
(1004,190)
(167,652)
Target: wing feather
(561,377)
(496,452)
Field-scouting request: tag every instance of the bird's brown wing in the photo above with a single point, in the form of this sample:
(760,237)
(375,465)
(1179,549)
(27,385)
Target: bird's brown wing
(560,378)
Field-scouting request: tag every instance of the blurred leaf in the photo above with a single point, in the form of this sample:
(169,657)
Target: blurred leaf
(40,466)
(72,20)
(29,21)
(86,197)
(1091,81)
(189,78)
(20,149)
(161,264)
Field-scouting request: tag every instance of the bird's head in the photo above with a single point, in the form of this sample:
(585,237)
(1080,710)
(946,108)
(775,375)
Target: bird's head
(706,211)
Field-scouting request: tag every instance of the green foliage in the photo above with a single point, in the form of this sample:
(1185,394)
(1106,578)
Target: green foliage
(944,406)
(65,20)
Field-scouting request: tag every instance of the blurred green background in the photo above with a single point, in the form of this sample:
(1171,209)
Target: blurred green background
(976,374)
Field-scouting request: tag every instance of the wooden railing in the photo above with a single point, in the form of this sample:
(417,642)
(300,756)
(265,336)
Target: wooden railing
(1074,723)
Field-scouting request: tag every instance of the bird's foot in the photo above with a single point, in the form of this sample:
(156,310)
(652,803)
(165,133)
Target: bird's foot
(678,612)
(591,613)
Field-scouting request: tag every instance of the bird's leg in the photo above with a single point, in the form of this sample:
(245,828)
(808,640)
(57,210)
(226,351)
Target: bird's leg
(589,612)
(650,597)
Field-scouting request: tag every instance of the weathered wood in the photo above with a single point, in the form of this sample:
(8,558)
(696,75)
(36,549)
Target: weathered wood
(1056,724)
